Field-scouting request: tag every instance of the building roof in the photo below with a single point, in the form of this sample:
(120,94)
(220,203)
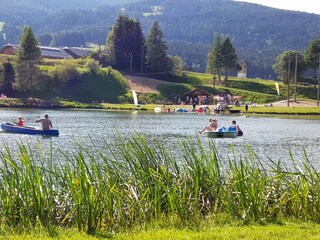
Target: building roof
(242,62)
(50,52)
(201,91)
(77,52)
(8,46)
(53,52)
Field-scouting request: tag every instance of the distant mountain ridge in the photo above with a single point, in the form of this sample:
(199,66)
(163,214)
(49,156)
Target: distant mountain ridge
(258,33)
(62,4)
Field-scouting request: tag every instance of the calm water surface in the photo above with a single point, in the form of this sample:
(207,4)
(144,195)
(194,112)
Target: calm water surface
(267,136)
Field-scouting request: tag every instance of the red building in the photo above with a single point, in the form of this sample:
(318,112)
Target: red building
(198,96)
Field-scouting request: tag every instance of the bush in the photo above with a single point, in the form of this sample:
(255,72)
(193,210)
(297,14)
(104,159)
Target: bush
(106,86)
(92,65)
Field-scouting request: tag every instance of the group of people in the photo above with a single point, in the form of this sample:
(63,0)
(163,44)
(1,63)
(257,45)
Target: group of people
(46,122)
(213,126)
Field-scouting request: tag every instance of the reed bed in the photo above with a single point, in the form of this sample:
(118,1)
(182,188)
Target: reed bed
(135,184)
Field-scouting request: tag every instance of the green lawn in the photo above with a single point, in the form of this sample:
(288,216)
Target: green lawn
(292,231)
(289,231)
(282,110)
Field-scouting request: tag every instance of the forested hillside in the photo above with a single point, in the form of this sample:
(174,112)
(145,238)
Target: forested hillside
(258,33)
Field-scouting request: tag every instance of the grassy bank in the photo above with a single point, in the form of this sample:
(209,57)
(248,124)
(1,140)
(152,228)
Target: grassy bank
(281,110)
(134,185)
(39,103)
(286,231)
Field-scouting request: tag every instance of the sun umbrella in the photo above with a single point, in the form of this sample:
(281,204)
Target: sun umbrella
(237,97)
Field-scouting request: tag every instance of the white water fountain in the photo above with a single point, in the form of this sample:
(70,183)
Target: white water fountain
(135,98)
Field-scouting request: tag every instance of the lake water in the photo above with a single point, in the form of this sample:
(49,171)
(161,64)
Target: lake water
(269,137)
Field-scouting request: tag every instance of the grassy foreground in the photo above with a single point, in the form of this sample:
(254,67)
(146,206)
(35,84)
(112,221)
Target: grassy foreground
(288,231)
(133,187)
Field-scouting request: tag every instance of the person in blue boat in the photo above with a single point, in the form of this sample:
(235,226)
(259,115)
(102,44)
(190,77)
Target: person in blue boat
(46,122)
(213,125)
(234,123)
(20,122)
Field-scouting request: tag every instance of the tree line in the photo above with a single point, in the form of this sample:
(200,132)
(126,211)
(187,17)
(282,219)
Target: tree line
(23,76)
(293,64)
(258,33)
(126,50)
(222,57)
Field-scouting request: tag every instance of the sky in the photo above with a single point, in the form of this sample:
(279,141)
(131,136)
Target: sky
(310,6)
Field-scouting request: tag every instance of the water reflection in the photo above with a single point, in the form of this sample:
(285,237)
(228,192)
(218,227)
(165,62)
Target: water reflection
(268,137)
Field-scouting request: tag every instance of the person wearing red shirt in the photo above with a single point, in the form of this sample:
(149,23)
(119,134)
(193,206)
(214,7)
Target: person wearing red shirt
(20,123)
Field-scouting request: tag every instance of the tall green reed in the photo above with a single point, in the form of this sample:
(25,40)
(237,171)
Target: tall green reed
(203,178)
(25,187)
(246,189)
(298,189)
(134,182)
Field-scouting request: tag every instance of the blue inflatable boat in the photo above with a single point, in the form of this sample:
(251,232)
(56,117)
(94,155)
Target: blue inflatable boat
(223,132)
(12,128)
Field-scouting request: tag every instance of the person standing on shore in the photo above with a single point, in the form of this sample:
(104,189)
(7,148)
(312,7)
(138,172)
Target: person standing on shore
(46,122)
(246,107)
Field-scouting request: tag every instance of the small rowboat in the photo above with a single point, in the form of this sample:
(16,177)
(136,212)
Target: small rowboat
(223,132)
(12,128)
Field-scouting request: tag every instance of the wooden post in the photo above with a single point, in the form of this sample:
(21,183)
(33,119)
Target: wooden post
(295,78)
(142,57)
(214,81)
(131,63)
(318,89)
(289,63)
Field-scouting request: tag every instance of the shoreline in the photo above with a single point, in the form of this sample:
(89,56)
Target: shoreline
(295,108)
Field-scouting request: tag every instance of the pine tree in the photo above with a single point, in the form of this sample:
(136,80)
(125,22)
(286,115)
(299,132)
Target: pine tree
(157,59)
(28,56)
(7,78)
(125,44)
(214,63)
(229,56)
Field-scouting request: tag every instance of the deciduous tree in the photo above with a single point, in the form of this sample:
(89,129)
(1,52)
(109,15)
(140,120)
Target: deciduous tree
(312,55)
(281,67)
(178,65)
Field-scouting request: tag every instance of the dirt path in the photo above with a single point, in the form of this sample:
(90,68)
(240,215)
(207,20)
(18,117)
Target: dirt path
(143,84)
(284,103)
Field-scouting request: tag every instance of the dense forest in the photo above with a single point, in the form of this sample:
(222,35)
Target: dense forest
(258,33)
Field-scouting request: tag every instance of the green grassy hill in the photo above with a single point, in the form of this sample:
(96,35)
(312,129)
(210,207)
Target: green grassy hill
(251,90)
(108,85)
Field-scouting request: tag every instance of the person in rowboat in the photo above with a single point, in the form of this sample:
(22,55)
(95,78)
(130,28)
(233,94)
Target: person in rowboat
(46,122)
(20,122)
